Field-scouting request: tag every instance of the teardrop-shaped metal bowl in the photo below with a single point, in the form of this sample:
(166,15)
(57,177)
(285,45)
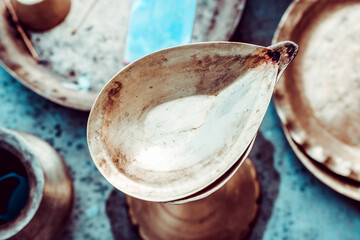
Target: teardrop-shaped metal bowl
(318,97)
(171,123)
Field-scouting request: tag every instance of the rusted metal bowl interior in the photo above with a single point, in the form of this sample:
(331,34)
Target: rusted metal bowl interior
(172,123)
(318,97)
(59,80)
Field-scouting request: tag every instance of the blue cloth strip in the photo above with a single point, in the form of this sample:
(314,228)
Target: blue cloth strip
(158,24)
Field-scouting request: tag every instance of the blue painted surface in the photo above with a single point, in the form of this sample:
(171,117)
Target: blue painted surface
(295,205)
(18,196)
(158,24)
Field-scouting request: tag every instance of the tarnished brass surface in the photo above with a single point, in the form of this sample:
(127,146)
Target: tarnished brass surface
(51,190)
(318,98)
(99,53)
(226,214)
(172,123)
(41,15)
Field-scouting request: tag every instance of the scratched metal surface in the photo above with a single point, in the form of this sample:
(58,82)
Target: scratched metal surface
(295,205)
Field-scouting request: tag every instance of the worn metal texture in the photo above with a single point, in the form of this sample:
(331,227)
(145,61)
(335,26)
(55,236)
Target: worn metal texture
(148,120)
(294,204)
(318,95)
(50,188)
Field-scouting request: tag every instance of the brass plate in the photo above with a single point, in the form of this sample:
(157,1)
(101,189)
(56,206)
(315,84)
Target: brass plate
(226,214)
(338,183)
(318,97)
(98,46)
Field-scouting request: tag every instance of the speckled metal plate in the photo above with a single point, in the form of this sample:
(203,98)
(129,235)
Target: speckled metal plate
(318,97)
(338,183)
(74,68)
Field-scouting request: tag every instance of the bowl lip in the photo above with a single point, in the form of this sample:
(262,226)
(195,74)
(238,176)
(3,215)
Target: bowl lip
(97,155)
(220,182)
(11,141)
(291,18)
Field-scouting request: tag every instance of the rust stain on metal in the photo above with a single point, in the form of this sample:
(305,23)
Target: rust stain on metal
(305,145)
(216,62)
(63,99)
(2,48)
(102,163)
(112,94)
(278,95)
(289,125)
(159,61)
(115,90)
(115,161)
(14,66)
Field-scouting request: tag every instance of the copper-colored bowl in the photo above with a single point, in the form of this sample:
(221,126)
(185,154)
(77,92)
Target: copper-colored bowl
(175,121)
(318,98)
(41,15)
(50,188)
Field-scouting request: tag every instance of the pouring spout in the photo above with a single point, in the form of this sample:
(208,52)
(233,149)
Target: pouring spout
(287,51)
